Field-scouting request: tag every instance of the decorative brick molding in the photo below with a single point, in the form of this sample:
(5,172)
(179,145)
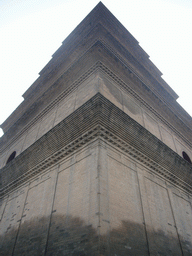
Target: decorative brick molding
(98,118)
(98,66)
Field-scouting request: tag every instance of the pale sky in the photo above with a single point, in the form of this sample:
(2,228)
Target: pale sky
(32,30)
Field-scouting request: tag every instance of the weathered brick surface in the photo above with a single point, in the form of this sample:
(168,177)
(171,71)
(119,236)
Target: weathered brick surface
(92,175)
(126,63)
(97,83)
(98,201)
(96,111)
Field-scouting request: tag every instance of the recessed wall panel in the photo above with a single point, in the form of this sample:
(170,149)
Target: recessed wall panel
(161,230)
(183,216)
(74,212)
(167,138)
(127,234)
(10,221)
(151,125)
(32,236)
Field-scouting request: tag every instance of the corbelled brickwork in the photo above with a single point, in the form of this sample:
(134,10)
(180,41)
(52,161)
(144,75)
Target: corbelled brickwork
(98,145)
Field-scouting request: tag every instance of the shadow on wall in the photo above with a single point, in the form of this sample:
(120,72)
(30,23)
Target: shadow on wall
(70,236)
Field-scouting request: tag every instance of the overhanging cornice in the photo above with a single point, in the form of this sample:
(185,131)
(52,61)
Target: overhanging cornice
(97,118)
(61,89)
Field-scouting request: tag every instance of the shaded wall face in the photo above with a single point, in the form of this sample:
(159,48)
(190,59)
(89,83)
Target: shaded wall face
(35,219)
(146,216)
(96,202)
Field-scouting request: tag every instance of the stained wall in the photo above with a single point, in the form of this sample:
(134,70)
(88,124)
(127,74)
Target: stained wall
(98,201)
